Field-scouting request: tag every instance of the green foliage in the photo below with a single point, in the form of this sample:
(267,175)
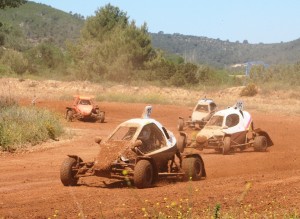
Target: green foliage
(204,74)
(15,60)
(249,91)
(188,70)
(47,55)
(101,26)
(218,53)
(217,211)
(113,48)
(110,46)
(12,37)
(11,3)
(16,121)
(284,74)
(177,80)
(39,23)
(257,72)
(6,101)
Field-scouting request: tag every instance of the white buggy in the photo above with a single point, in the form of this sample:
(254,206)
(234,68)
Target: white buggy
(231,129)
(202,112)
(139,150)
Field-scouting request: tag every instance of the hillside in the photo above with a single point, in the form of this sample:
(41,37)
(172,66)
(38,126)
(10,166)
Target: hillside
(216,52)
(40,22)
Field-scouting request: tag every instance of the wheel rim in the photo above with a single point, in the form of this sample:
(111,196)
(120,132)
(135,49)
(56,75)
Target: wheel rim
(198,168)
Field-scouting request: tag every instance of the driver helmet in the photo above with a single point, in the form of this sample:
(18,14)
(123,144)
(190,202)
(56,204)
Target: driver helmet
(145,134)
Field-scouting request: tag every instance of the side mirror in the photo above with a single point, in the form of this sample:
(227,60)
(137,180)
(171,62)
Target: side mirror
(98,140)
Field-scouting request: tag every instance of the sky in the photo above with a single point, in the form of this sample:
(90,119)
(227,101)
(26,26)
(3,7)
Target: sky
(257,21)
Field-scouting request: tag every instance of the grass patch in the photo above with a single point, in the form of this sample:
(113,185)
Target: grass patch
(188,207)
(21,126)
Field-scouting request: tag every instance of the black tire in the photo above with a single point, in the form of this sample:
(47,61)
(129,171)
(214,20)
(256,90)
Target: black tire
(226,145)
(193,168)
(180,124)
(260,143)
(67,174)
(181,143)
(69,115)
(102,116)
(143,174)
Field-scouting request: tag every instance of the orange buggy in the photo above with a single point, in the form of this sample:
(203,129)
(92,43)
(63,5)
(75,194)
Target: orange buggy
(84,109)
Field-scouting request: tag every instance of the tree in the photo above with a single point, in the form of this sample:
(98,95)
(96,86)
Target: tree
(111,46)
(104,22)
(11,3)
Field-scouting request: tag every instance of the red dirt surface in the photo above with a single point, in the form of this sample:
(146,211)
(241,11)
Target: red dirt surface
(266,183)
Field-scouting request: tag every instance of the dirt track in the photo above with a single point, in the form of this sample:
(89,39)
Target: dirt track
(30,186)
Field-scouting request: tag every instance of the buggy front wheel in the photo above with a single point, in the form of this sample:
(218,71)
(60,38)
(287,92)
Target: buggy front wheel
(67,172)
(143,174)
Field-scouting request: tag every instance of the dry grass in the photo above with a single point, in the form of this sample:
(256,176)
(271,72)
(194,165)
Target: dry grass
(268,99)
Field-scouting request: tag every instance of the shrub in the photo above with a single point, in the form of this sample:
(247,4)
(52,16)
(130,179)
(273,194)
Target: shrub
(46,55)
(249,91)
(177,80)
(7,102)
(23,125)
(15,60)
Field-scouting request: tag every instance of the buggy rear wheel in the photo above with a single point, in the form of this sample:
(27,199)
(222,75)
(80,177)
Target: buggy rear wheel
(67,174)
(260,143)
(69,115)
(181,143)
(193,168)
(101,117)
(143,174)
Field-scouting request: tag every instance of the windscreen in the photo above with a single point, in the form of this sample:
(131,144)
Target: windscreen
(123,133)
(215,121)
(85,102)
(202,108)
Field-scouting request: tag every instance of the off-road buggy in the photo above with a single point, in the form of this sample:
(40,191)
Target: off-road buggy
(84,109)
(140,151)
(202,112)
(231,129)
